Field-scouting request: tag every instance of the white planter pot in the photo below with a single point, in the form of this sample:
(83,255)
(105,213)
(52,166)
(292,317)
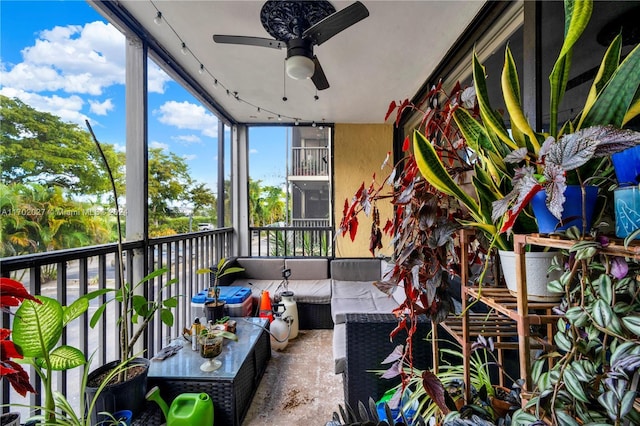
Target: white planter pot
(537,266)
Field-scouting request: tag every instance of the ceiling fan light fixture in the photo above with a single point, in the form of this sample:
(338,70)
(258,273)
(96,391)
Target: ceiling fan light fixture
(300,67)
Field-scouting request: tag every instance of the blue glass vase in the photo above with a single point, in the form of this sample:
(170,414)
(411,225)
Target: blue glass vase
(627,207)
(627,166)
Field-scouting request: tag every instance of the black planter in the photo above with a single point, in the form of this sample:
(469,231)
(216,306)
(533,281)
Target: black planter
(9,419)
(214,312)
(129,395)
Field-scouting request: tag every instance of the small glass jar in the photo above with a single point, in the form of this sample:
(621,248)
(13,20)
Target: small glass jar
(627,210)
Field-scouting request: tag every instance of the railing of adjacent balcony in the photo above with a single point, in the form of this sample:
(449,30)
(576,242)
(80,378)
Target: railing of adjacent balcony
(292,241)
(68,274)
(309,161)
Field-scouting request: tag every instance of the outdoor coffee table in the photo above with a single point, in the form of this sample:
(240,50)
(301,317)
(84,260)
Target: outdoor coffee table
(232,386)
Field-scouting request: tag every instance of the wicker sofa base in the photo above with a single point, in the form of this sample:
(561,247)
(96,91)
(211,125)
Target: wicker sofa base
(314,316)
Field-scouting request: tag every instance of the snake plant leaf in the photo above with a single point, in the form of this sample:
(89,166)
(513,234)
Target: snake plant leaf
(64,358)
(489,117)
(472,131)
(38,327)
(607,68)
(432,170)
(577,16)
(616,97)
(634,109)
(511,93)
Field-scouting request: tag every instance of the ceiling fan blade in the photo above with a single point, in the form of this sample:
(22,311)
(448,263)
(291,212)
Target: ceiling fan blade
(318,77)
(249,41)
(336,22)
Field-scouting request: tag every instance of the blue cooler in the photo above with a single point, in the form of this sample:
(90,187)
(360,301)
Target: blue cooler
(237,300)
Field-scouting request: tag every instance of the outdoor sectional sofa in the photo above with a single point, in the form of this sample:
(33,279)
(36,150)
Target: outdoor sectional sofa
(339,294)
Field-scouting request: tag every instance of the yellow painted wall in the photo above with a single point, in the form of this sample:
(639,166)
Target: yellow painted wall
(359,150)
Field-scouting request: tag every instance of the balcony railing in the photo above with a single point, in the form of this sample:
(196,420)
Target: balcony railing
(68,274)
(309,161)
(292,241)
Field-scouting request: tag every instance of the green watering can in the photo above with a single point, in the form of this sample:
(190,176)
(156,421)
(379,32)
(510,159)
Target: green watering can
(186,410)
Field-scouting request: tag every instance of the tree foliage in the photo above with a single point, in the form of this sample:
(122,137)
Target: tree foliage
(266,204)
(38,147)
(169,181)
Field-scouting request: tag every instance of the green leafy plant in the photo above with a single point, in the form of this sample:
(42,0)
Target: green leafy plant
(12,294)
(135,307)
(37,329)
(64,413)
(503,189)
(222,269)
(424,222)
(450,376)
(595,376)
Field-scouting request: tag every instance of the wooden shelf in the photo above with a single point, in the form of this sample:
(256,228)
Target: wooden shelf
(511,317)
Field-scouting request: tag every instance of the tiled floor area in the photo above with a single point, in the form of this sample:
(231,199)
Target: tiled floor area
(299,386)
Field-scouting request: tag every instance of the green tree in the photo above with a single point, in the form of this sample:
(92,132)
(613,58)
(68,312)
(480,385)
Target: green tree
(202,197)
(169,182)
(36,218)
(256,214)
(266,203)
(39,147)
(274,205)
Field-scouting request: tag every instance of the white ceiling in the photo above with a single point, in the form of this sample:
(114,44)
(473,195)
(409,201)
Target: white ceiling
(386,56)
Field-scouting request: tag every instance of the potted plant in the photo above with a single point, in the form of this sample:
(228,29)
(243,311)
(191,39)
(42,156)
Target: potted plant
(424,222)
(594,375)
(215,307)
(128,388)
(514,165)
(488,401)
(38,325)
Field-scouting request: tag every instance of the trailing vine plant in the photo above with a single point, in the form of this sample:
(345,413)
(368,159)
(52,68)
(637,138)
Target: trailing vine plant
(424,223)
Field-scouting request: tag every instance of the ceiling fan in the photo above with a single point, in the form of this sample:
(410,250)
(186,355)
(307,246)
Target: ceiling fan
(298,26)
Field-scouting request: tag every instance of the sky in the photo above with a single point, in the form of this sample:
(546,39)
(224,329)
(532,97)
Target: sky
(62,57)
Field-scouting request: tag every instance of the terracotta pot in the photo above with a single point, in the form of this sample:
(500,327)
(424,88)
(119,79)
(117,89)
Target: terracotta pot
(500,407)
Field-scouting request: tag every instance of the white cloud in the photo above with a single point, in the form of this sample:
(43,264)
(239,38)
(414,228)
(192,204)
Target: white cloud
(189,157)
(253,151)
(101,108)
(161,145)
(186,115)
(187,139)
(75,59)
(157,79)
(67,108)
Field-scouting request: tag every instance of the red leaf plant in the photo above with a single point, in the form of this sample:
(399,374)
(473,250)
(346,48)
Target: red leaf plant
(423,227)
(12,293)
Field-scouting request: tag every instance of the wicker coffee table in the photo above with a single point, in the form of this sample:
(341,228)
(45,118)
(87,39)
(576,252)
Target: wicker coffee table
(231,387)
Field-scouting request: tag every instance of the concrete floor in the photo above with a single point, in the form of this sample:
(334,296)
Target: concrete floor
(299,386)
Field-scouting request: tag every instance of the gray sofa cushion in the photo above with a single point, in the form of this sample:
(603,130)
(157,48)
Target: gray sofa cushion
(355,269)
(352,297)
(305,291)
(308,269)
(262,268)
(311,291)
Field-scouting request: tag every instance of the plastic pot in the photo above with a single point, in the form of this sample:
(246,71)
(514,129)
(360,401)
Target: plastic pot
(572,212)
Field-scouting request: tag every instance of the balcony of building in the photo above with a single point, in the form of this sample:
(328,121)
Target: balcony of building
(400,51)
